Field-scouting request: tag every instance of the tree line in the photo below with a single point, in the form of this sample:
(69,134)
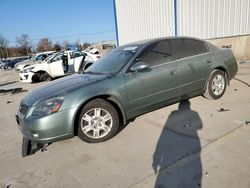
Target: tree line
(25,46)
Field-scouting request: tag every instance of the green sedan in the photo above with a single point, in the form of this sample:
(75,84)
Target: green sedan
(127,82)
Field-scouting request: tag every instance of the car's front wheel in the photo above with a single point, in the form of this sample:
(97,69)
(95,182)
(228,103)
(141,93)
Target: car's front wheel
(216,85)
(45,77)
(98,122)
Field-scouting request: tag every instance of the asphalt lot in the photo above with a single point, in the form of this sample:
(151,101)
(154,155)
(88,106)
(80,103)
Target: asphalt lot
(200,145)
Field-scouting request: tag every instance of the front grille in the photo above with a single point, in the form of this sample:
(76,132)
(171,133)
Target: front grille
(23,109)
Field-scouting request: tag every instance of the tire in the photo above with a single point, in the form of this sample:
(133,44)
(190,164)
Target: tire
(45,77)
(216,85)
(91,126)
(36,77)
(9,67)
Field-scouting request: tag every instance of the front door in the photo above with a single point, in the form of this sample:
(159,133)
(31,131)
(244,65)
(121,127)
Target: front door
(78,59)
(155,86)
(56,65)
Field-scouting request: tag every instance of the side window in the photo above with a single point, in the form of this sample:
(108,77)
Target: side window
(196,46)
(204,48)
(40,57)
(157,53)
(76,54)
(188,47)
(57,57)
(44,56)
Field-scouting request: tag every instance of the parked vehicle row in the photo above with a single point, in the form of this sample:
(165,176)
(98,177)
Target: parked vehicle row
(127,82)
(9,64)
(57,65)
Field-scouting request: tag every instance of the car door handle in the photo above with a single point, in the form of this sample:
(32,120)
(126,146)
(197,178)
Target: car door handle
(209,61)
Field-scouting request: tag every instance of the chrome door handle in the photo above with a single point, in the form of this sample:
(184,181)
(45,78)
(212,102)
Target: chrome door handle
(209,61)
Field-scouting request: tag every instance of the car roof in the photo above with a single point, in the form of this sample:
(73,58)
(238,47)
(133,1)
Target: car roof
(47,52)
(148,41)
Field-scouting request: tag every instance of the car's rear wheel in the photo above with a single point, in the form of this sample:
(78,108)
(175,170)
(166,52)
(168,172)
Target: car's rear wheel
(98,122)
(216,85)
(45,77)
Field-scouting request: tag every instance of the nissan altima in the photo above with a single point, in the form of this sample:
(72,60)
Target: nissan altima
(127,82)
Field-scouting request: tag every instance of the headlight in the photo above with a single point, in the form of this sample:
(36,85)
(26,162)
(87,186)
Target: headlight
(27,70)
(47,107)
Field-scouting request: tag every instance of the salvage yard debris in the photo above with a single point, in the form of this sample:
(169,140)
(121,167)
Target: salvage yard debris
(246,122)
(4,84)
(223,110)
(13,90)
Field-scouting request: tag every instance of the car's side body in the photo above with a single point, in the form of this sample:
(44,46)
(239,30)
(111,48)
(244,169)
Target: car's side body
(171,77)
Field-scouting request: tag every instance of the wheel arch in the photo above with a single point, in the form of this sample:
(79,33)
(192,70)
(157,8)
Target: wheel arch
(109,98)
(221,68)
(37,74)
(213,70)
(87,65)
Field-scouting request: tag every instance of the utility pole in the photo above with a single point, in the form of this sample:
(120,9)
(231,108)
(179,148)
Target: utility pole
(6,51)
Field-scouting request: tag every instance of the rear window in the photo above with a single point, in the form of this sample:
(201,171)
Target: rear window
(189,47)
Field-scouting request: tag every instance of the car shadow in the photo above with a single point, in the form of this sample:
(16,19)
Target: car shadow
(176,159)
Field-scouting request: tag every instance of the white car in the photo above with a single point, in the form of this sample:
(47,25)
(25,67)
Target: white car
(95,57)
(35,59)
(60,64)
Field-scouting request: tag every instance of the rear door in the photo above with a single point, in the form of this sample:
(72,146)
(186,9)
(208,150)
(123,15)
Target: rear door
(151,88)
(193,60)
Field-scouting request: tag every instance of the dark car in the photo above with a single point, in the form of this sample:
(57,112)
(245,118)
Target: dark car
(11,63)
(127,82)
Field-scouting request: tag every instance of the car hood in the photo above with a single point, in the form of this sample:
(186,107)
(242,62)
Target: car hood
(60,87)
(23,62)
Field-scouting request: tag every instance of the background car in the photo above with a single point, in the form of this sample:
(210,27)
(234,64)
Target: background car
(35,59)
(10,64)
(95,52)
(58,65)
(91,58)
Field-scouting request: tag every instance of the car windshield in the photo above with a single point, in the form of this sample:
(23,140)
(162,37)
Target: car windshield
(51,56)
(33,58)
(113,61)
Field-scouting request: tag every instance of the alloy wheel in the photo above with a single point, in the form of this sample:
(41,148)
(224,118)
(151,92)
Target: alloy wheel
(96,123)
(218,85)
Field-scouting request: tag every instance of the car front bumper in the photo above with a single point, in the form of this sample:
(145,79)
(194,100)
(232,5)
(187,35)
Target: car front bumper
(48,129)
(26,77)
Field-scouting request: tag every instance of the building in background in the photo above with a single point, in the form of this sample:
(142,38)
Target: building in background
(206,19)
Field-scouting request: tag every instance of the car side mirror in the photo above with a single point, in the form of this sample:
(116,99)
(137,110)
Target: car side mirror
(140,66)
